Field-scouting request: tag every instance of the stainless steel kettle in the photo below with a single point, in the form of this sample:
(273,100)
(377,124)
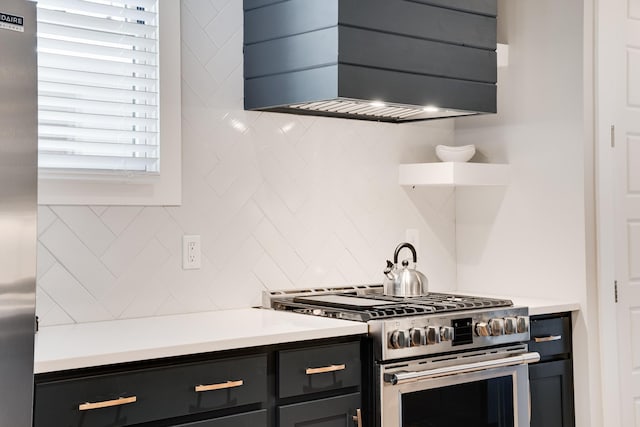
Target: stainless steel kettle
(404,281)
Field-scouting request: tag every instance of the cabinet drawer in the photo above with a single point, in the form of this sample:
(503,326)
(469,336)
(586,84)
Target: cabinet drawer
(249,419)
(332,412)
(58,403)
(550,336)
(150,394)
(318,369)
(216,385)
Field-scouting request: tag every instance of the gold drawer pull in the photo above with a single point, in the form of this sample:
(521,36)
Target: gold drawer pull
(220,386)
(107,403)
(325,369)
(549,338)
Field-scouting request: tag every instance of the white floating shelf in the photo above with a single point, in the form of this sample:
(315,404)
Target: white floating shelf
(454,174)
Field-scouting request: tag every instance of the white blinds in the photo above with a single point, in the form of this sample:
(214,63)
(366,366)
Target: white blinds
(98,85)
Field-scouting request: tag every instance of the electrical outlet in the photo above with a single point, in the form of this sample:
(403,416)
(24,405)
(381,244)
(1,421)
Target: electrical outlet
(191,258)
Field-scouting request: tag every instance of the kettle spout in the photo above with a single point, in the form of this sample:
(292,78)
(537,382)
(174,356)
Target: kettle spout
(389,271)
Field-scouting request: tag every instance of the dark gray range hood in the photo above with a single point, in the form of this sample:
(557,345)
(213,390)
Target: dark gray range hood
(385,60)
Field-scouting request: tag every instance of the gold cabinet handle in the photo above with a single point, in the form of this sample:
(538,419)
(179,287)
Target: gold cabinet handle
(549,338)
(325,369)
(220,386)
(357,418)
(107,403)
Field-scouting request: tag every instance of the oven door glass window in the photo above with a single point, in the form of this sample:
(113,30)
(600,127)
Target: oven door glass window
(486,403)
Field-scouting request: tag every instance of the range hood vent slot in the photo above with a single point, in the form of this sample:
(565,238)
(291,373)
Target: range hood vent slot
(370,111)
(385,60)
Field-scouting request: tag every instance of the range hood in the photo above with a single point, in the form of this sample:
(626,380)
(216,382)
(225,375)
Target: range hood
(385,60)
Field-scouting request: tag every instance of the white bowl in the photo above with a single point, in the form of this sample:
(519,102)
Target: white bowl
(447,153)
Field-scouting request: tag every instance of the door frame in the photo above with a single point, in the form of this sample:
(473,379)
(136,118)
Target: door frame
(607,105)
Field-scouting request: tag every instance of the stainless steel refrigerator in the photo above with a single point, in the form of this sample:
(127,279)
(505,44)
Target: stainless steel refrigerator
(18,193)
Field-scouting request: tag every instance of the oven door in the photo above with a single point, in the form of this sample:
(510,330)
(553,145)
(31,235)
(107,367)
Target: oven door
(479,390)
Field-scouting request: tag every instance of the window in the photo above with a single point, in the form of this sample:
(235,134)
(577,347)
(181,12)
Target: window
(109,101)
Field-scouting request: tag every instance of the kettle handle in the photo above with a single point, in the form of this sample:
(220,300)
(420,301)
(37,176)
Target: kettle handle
(405,245)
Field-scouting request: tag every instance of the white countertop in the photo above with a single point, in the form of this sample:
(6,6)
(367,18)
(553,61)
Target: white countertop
(84,345)
(539,306)
(103,343)
(536,306)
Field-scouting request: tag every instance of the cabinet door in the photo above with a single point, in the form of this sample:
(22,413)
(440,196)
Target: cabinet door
(332,412)
(250,419)
(551,394)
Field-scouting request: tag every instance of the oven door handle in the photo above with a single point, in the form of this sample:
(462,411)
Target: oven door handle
(406,377)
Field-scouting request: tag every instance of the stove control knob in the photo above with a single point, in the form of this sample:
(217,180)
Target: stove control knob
(433,335)
(497,327)
(510,325)
(523,324)
(399,339)
(482,329)
(446,333)
(418,337)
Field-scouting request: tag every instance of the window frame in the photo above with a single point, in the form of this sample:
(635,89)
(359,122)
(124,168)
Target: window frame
(68,187)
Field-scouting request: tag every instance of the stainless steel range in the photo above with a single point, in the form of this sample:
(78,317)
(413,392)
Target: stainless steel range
(438,360)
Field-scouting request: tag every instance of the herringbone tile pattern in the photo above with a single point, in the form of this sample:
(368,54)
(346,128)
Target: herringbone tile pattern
(280,201)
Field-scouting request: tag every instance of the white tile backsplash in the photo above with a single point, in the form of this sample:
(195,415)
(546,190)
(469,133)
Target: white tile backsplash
(99,210)
(225,24)
(203,11)
(192,32)
(280,250)
(50,310)
(77,260)
(118,218)
(270,274)
(225,245)
(226,61)
(279,200)
(45,260)
(133,239)
(71,295)
(218,4)
(87,226)
(45,218)
(138,279)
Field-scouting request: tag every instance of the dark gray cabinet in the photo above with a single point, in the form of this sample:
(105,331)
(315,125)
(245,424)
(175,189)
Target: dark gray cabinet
(313,383)
(320,386)
(551,379)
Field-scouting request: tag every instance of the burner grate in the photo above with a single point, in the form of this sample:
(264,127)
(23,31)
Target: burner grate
(431,303)
(439,303)
(375,305)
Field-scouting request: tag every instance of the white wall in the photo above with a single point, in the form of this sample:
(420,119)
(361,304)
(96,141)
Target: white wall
(531,233)
(280,201)
(530,238)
